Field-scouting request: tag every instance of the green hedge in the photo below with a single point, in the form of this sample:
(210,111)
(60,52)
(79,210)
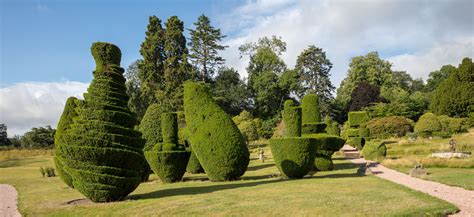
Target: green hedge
(357,142)
(364,132)
(292,119)
(323,162)
(169,166)
(169,127)
(328,144)
(427,125)
(294,156)
(333,129)
(310,108)
(150,126)
(453,125)
(100,151)
(352,132)
(313,127)
(374,150)
(214,137)
(358,118)
(385,127)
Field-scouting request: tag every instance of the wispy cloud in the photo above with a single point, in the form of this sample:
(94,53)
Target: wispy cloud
(42,8)
(33,104)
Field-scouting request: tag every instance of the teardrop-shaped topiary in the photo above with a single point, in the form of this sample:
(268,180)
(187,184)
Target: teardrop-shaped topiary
(101,152)
(214,137)
(150,126)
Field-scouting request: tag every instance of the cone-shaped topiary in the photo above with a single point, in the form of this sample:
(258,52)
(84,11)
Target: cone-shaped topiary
(64,124)
(101,152)
(214,137)
(374,150)
(294,156)
(292,118)
(168,159)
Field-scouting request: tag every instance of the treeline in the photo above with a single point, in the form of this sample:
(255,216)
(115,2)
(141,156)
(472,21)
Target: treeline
(37,137)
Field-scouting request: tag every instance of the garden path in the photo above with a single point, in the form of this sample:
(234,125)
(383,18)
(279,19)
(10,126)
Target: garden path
(462,198)
(8,201)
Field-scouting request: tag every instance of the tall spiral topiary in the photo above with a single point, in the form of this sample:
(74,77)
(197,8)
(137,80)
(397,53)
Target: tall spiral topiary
(101,152)
(214,137)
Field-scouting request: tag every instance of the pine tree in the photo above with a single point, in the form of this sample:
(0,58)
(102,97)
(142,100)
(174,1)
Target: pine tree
(205,47)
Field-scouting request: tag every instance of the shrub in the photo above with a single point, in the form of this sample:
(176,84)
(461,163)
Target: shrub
(334,130)
(310,108)
(294,156)
(385,127)
(292,119)
(100,151)
(358,118)
(453,125)
(47,172)
(313,127)
(374,150)
(194,167)
(64,124)
(323,162)
(150,126)
(427,125)
(352,133)
(357,142)
(247,125)
(328,144)
(364,132)
(214,137)
(169,166)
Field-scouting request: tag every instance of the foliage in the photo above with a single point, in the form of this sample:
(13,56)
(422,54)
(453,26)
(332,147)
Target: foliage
(275,44)
(3,135)
(404,81)
(47,172)
(427,125)
(453,125)
(374,150)
(205,47)
(136,103)
(357,142)
(214,137)
(455,96)
(385,127)
(292,119)
(150,127)
(364,95)
(401,104)
(38,137)
(230,92)
(313,68)
(310,108)
(369,68)
(313,127)
(436,77)
(170,166)
(101,152)
(323,162)
(248,126)
(358,118)
(294,156)
(194,167)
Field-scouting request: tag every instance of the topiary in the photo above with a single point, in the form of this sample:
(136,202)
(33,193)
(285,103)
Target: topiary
(427,125)
(323,162)
(310,109)
(64,124)
(352,133)
(294,156)
(150,126)
(364,132)
(214,137)
(292,118)
(313,127)
(358,118)
(334,130)
(101,152)
(385,127)
(357,142)
(374,150)
(194,167)
(328,145)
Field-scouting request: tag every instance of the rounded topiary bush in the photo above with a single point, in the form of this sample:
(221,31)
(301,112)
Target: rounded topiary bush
(374,150)
(427,125)
(214,137)
(385,127)
(323,162)
(100,151)
(150,126)
(310,109)
(294,156)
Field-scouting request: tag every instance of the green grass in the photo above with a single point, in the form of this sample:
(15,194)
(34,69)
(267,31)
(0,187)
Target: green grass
(336,193)
(402,155)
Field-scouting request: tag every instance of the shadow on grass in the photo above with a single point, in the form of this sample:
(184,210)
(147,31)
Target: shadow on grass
(259,167)
(18,162)
(180,191)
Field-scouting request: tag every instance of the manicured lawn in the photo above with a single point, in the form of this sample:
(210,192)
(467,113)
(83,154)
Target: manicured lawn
(337,193)
(403,155)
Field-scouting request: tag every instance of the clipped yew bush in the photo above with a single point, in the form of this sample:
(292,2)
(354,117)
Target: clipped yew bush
(310,109)
(328,144)
(357,118)
(374,150)
(100,151)
(150,126)
(168,159)
(427,125)
(391,126)
(294,156)
(292,118)
(214,137)
(194,167)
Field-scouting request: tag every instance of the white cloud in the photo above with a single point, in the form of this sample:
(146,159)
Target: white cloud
(418,30)
(34,104)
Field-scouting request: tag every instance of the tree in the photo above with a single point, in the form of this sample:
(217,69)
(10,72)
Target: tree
(205,47)
(436,77)
(151,68)
(369,68)
(313,68)
(455,96)
(38,137)
(364,95)
(275,44)
(136,103)
(176,67)
(403,80)
(230,92)
(3,135)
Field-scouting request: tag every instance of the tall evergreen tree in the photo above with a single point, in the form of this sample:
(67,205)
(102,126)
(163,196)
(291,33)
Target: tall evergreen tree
(176,66)
(3,135)
(205,47)
(313,68)
(151,68)
(136,103)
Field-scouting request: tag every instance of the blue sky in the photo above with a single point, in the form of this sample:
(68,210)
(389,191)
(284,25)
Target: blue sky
(45,44)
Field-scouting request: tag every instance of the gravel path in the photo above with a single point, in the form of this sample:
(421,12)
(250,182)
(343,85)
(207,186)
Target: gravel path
(462,198)
(8,201)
